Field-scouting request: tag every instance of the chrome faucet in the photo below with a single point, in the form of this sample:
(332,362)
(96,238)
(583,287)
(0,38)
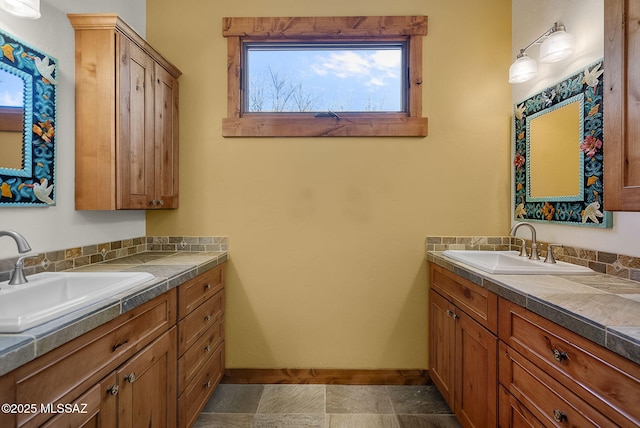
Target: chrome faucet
(17,277)
(534,245)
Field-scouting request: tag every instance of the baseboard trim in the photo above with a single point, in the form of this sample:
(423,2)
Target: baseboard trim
(326,376)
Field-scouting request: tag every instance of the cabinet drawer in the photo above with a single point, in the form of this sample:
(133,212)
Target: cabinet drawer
(543,396)
(198,354)
(194,292)
(198,392)
(605,380)
(194,325)
(513,414)
(477,302)
(57,377)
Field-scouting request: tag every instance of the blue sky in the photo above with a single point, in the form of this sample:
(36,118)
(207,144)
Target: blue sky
(10,90)
(328,79)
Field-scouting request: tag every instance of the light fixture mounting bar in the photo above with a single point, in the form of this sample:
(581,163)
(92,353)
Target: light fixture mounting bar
(556,27)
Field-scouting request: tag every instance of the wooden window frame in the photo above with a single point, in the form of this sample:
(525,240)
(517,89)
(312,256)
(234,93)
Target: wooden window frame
(345,29)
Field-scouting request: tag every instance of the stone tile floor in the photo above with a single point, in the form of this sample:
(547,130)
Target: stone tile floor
(326,406)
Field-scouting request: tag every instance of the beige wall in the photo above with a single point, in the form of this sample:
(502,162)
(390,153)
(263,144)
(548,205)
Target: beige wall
(326,235)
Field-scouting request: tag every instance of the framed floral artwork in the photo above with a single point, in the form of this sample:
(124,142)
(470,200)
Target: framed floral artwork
(558,152)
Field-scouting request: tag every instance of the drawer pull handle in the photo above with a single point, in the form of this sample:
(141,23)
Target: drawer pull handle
(131,377)
(207,348)
(207,317)
(207,384)
(559,355)
(207,286)
(559,416)
(117,345)
(113,390)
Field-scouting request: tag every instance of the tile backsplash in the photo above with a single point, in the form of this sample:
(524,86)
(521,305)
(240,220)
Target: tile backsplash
(55,261)
(618,265)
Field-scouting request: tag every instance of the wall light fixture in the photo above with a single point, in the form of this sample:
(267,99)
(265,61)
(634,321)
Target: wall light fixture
(22,8)
(556,45)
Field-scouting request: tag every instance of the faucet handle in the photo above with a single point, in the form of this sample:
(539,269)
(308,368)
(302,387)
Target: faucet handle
(523,248)
(17,276)
(21,259)
(550,258)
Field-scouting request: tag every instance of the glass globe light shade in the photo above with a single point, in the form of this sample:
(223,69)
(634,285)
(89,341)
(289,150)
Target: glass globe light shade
(22,8)
(523,69)
(558,46)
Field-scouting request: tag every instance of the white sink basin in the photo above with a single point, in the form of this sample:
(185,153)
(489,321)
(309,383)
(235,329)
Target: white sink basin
(50,295)
(509,262)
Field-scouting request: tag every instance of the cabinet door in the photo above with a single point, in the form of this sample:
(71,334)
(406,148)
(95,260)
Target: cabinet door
(166,139)
(95,409)
(622,105)
(441,345)
(135,142)
(476,378)
(147,396)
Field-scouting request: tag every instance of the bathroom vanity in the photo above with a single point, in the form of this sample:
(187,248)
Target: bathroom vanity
(505,351)
(152,358)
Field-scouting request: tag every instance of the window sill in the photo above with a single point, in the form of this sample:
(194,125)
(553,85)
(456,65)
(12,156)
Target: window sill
(324,127)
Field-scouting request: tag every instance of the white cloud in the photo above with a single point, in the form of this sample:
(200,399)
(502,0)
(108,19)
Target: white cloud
(374,81)
(374,66)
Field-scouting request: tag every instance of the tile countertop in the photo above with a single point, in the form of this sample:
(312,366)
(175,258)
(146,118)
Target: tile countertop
(602,308)
(170,269)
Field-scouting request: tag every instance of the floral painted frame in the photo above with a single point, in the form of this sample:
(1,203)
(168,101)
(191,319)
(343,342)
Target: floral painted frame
(34,183)
(585,208)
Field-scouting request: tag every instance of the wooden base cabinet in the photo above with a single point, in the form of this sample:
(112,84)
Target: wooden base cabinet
(154,366)
(463,350)
(124,371)
(561,378)
(534,374)
(200,342)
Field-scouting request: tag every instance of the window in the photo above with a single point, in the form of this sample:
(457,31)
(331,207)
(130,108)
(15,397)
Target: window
(325,76)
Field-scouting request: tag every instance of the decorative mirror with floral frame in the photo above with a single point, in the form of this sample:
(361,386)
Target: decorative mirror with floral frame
(28,96)
(578,202)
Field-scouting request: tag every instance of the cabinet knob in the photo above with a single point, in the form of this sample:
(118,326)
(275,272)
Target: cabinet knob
(456,316)
(207,384)
(449,312)
(559,416)
(131,377)
(161,202)
(207,348)
(207,317)
(559,355)
(113,390)
(207,286)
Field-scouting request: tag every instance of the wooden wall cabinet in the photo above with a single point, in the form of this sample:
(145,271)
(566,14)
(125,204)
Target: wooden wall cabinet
(463,347)
(200,342)
(126,118)
(622,105)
